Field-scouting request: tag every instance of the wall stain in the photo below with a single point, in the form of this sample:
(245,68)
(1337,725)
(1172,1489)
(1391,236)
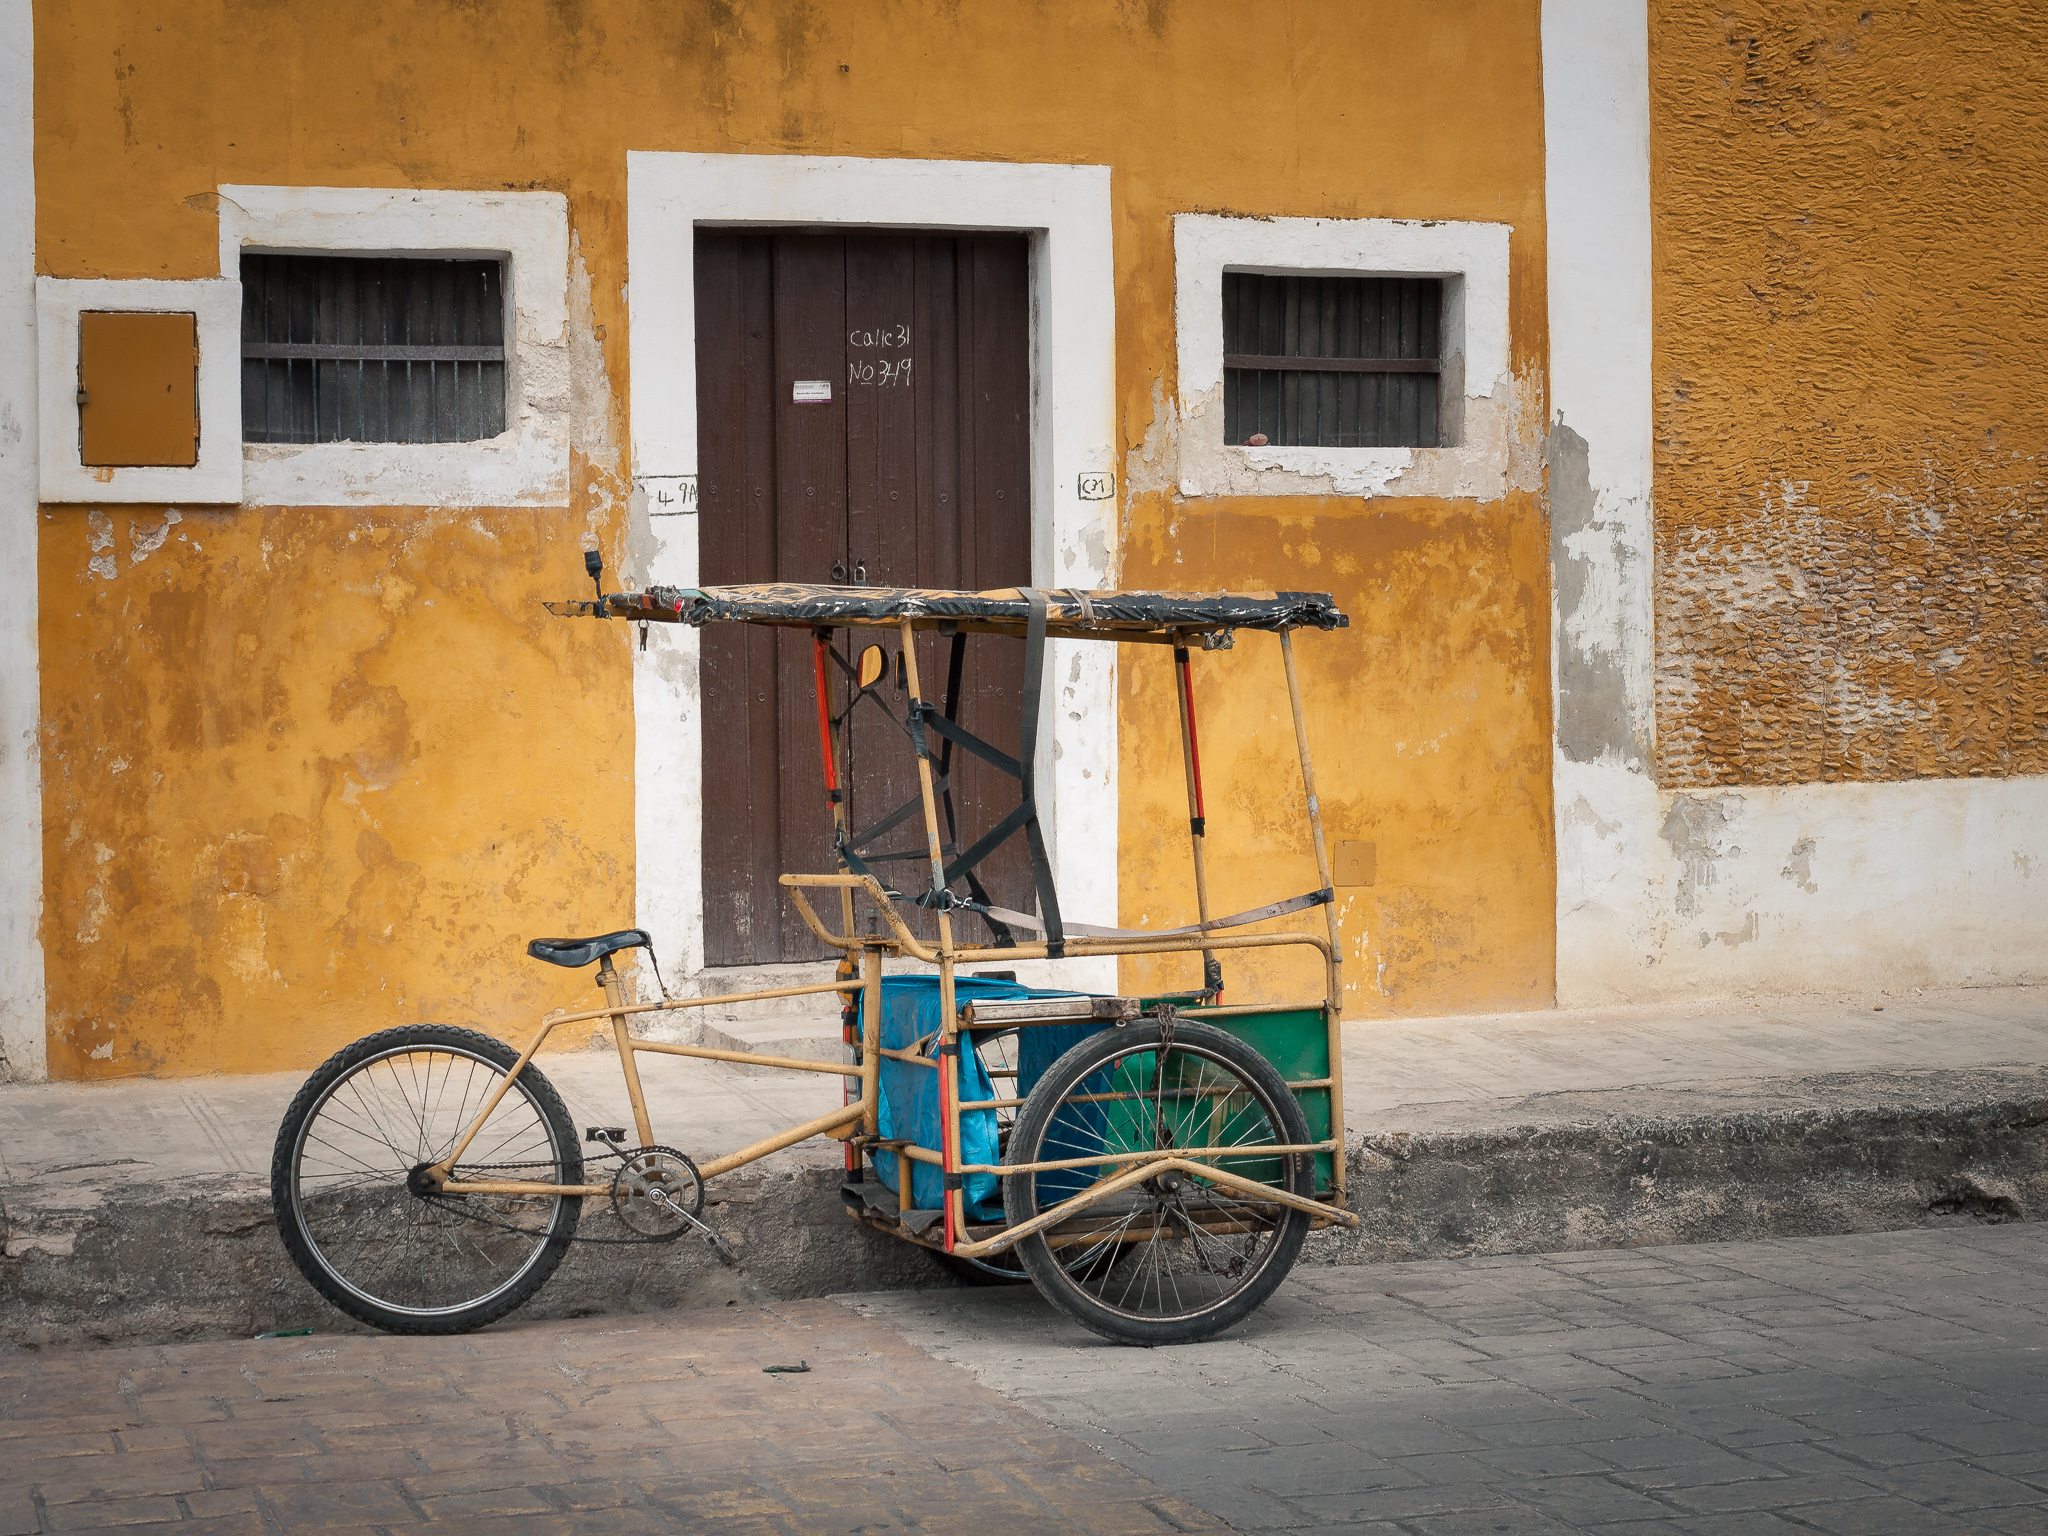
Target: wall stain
(1799,866)
(1694,827)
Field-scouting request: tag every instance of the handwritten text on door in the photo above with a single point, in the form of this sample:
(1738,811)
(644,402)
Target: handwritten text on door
(882,372)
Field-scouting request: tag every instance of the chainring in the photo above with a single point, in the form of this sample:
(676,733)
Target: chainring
(652,1189)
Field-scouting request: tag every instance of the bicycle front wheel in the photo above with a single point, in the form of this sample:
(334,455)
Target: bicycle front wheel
(377,1241)
(1179,1256)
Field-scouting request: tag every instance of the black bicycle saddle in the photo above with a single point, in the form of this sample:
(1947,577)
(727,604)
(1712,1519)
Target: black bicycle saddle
(575,952)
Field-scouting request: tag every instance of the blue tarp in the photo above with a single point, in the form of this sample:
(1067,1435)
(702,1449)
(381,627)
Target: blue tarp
(910,1094)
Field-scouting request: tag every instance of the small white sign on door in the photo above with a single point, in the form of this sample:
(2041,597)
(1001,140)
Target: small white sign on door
(811,391)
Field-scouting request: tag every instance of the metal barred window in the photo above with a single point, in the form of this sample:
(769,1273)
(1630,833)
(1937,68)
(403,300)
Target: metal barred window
(1332,362)
(372,349)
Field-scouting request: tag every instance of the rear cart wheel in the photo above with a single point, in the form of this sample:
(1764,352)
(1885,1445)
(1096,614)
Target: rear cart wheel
(1177,1257)
(369,1230)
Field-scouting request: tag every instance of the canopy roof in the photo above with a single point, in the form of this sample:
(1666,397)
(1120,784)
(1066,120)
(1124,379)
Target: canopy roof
(1069,613)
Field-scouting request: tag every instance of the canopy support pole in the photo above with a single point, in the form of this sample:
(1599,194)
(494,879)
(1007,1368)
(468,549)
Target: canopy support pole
(1198,820)
(949,1026)
(828,748)
(1335,979)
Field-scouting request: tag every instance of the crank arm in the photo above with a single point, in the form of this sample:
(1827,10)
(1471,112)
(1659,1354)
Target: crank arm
(717,1244)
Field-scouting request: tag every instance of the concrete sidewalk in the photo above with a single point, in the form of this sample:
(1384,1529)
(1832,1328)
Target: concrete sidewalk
(141,1209)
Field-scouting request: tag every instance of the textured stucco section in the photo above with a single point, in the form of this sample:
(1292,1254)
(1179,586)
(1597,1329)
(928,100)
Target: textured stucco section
(1851,565)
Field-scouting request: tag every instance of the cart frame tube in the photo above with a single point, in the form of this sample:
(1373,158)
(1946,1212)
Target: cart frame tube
(946,955)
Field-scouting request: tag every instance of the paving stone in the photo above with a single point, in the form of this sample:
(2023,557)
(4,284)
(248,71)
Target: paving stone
(1951,1486)
(1580,1502)
(1881,1515)
(1811,1384)
(1470,1402)
(514,1442)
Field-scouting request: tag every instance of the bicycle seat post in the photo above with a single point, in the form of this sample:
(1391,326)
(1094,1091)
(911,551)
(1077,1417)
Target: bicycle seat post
(615,998)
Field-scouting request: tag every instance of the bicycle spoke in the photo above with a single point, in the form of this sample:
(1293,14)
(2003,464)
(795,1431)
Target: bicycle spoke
(1178,1246)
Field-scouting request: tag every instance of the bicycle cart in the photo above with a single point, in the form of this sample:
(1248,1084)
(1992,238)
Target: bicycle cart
(1151,1164)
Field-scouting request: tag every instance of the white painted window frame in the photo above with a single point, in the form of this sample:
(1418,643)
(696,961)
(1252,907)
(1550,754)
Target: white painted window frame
(1065,210)
(526,465)
(64,476)
(1472,258)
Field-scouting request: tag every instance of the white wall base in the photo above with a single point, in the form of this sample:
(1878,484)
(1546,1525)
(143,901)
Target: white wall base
(1815,888)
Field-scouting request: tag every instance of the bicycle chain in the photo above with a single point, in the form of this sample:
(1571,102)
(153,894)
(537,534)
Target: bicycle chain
(449,1202)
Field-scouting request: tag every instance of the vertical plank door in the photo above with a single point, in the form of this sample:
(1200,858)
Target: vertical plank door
(915,471)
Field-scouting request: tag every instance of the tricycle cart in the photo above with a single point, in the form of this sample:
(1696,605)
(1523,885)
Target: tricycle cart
(1152,1164)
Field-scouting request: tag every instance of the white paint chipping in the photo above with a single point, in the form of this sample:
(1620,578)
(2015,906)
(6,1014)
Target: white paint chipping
(22,998)
(1185,451)
(1812,888)
(1730,891)
(526,465)
(1066,212)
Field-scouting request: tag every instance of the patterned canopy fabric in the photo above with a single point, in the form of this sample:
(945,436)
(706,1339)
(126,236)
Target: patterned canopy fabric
(1070,613)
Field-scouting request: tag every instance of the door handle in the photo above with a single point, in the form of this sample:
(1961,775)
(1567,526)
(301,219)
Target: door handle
(838,573)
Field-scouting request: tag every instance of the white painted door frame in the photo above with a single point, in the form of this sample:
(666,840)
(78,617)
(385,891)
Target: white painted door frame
(1064,209)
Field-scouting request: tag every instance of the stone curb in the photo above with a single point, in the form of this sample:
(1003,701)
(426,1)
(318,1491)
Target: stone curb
(103,1261)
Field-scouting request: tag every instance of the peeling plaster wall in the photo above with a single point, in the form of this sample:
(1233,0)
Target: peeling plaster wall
(1844,561)
(1429,717)
(318,795)
(315,772)
(1429,730)
(21,815)
(1852,567)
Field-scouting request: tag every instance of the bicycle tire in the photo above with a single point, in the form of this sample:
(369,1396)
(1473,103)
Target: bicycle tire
(1232,1251)
(350,1232)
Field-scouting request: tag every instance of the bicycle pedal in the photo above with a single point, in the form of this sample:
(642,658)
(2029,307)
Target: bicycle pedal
(614,1134)
(723,1249)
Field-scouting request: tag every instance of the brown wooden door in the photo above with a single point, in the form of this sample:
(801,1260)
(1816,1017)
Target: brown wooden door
(915,472)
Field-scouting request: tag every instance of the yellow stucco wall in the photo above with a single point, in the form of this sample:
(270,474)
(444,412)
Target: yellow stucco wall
(1851,563)
(309,773)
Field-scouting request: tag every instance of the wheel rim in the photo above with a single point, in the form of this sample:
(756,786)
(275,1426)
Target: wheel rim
(1176,1246)
(353,1191)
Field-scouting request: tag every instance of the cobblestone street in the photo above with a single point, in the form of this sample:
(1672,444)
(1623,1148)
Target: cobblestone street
(1894,1382)
(607,1425)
